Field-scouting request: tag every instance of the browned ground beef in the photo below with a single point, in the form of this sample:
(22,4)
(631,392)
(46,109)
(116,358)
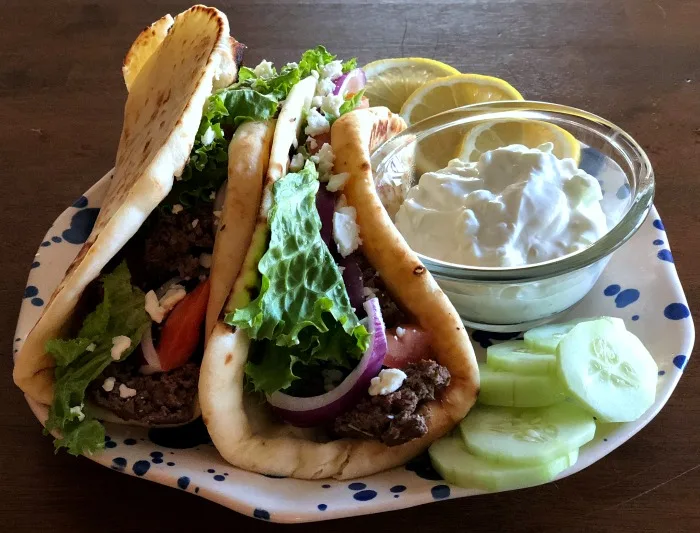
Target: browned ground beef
(173,246)
(164,398)
(392,314)
(395,418)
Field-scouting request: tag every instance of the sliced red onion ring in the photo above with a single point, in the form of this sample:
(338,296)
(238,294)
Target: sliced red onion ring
(149,353)
(319,410)
(350,83)
(325,205)
(352,276)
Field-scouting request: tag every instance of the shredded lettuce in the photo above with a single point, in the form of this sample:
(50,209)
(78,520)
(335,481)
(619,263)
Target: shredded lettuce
(302,314)
(121,312)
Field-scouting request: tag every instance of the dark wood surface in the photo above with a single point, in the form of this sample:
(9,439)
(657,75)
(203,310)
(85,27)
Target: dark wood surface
(636,62)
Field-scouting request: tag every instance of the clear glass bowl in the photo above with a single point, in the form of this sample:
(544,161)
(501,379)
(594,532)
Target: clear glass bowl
(516,298)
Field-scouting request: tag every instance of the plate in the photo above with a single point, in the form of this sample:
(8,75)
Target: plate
(639,285)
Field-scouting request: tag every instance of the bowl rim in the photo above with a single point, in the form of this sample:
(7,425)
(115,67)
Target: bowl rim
(618,235)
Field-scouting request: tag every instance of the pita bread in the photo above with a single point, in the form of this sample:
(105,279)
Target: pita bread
(242,427)
(249,153)
(145,44)
(155,145)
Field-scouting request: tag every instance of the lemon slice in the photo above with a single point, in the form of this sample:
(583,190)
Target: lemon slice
(531,133)
(443,94)
(391,81)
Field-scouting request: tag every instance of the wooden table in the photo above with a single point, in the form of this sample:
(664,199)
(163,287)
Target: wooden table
(636,62)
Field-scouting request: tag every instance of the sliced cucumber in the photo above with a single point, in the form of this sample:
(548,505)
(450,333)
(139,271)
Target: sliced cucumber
(458,466)
(546,338)
(508,389)
(608,369)
(526,436)
(517,357)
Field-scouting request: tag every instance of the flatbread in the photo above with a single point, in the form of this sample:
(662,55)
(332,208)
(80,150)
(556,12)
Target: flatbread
(249,153)
(161,118)
(242,428)
(143,47)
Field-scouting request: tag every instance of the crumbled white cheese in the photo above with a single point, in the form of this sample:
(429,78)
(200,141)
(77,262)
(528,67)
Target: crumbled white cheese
(332,70)
(338,181)
(172,297)
(324,161)
(120,344)
(312,143)
(91,347)
(324,86)
(389,380)
(316,123)
(369,292)
(205,260)
(317,101)
(208,137)
(400,332)
(212,195)
(314,73)
(126,392)
(153,308)
(195,222)
(78,411)
(331,104)
(297,163)
(177,208)
(264,70)
(291,66)
(345,231)
(217,214)
(108,385)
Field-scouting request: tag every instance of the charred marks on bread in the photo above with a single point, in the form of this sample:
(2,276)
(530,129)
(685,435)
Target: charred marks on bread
(228,359)
(419,270)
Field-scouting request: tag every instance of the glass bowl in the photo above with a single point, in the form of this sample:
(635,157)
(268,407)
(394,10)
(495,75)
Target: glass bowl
(517,298)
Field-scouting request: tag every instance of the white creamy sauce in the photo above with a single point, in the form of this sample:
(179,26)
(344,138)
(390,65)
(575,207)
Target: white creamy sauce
(513,207)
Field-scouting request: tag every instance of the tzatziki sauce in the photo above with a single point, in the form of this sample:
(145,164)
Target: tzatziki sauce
(515,206)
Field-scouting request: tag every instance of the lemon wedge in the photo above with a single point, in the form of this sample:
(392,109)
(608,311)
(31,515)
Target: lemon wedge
(531,133)
(391,81)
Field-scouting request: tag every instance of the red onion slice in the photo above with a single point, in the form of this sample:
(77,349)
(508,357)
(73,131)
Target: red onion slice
(318,410)
(325,205)
(352,277)
(350,83)
(149,353)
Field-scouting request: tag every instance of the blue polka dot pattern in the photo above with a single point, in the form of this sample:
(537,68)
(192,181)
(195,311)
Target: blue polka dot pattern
(119,463)
(129,442)
(157,460)
(658,242)
(211,471)
(262,514)
(679,361)
(170,463)
(45,244)
(364,495)
(157,455)
(141,467)
(357,486)
(440,492)
(36,264)
(665,255)
(662,372)
(37,302)
(219,477)
(322,507)
(56,239)
(611,290)
(183,482)
(423,468)
(326,486)
(398,488)
(110,444)
(658,224)
(30,291)
(635,317)
(676,311)
(80,226)
(80,202)
(626,297)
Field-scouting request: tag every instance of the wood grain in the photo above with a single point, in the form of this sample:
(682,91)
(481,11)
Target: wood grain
(635,62)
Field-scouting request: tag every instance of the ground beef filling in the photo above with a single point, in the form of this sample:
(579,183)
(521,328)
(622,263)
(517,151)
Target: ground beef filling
(374,286)
(175,242)
(163,398)
(396,418)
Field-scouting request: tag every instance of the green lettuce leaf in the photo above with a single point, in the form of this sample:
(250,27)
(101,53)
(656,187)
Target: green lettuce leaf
(121,312)
(350,64)
(303,305)
(351,103)
(314,59)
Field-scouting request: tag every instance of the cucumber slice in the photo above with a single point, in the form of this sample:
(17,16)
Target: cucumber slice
(546,338)
(459,467)
(608,370)
(526,436)
(517,357)
(508,389)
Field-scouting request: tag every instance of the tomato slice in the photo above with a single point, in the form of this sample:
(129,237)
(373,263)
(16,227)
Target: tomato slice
(411,346)
(321,139)
(183,327)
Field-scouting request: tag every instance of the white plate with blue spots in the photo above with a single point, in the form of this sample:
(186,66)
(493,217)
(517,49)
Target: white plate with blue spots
(639,285)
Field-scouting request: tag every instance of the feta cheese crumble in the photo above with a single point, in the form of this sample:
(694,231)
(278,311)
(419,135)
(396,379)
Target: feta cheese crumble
(177,208)
(158,309)
(331,104)
(338,181)
(297,163)
(126,392)
(78,411)
(316,124)
(264,70)
(108,385)
(208,137)
(346,234)
(195,222)
(205,260)
(400,332)
(389,380)
(120,344)
(91,347)
(324,161)
(332,70)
